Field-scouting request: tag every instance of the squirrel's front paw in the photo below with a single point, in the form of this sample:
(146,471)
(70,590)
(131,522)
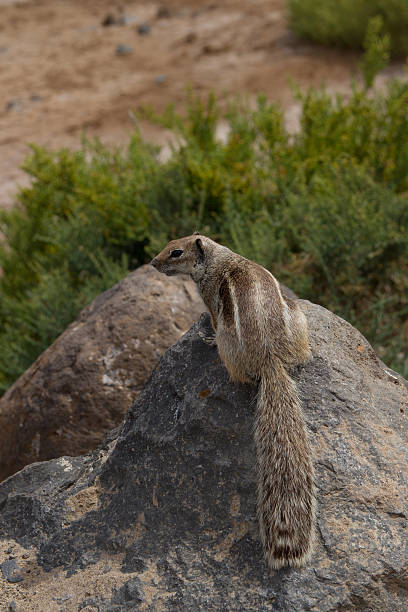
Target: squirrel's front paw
(210,340)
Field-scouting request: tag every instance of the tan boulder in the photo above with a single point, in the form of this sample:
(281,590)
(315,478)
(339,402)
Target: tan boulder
(82,385)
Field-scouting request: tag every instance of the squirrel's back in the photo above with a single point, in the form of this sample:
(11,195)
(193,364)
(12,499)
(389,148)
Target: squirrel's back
(254,322)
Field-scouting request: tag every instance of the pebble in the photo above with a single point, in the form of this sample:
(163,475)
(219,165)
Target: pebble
(159,80)
(190,37)
(109,20)
(127,20)
(9,570)
(163,13)
(15,104)
(61,599)
(119,20)
(123,50)
(143,29)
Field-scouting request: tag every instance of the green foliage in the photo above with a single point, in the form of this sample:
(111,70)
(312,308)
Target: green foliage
(377,50)
(326,210)
(32,323)
(72,234)
(344,23)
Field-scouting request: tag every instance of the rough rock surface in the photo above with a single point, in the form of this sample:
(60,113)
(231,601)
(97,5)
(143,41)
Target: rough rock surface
(81,386)
(163,516)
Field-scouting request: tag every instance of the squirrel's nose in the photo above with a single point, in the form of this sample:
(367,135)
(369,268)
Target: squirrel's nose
(154,262)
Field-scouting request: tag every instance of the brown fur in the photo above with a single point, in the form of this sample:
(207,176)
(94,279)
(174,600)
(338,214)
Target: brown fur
(259,333)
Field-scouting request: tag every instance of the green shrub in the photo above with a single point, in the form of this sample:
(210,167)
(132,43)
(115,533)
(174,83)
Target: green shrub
(71,235)
(343,23)
(326,210)
(31,324)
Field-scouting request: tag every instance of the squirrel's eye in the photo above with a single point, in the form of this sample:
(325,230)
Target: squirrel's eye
(176,253)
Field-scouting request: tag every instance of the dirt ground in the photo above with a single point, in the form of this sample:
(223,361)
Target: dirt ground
(69,66)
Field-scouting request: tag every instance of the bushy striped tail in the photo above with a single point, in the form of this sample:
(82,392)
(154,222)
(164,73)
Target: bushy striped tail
(286,486)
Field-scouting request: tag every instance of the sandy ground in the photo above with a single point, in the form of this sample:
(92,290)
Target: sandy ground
(62,72)
(34,590)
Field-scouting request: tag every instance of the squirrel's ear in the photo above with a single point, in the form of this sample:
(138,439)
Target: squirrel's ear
(199,245)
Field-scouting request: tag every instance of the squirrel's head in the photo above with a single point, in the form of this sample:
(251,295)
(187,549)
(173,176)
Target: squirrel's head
(182,256)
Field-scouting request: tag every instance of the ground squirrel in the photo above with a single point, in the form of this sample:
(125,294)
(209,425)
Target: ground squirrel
(259,333)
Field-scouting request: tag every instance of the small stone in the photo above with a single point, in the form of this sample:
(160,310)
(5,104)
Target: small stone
(190,37)
(116,20)
(61,599)
(130,592)
(143,29)
(90,604)
(159,80)
(15,104)
(125,20)
(9,570)
(163,12)
(133,590)
(109,20)
(123,50)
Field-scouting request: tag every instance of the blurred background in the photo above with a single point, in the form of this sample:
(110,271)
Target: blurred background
(278,127)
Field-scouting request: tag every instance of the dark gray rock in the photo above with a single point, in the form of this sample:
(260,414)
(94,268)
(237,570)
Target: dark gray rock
(169,500)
